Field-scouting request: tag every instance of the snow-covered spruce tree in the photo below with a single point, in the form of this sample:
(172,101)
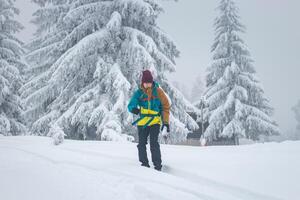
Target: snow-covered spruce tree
(11,68)
(88,56)
(296,110)
(182,88)
(237,106)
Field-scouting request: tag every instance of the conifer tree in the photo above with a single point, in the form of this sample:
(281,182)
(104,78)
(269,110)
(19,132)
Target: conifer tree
(87,59)
(237,106)
(11,69)
(296,110)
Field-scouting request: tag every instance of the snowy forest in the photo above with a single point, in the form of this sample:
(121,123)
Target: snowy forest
(75,77)
(149,100)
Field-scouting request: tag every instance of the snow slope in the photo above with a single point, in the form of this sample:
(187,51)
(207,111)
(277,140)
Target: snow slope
(32,168)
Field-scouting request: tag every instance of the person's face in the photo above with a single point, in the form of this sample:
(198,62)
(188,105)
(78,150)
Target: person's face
(147,85)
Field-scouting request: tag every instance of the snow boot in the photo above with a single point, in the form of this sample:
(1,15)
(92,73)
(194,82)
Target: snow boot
(145,165)
(158,168)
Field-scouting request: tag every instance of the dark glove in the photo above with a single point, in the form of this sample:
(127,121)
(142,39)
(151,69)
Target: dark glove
(166,137)
(166,125)
(135,111)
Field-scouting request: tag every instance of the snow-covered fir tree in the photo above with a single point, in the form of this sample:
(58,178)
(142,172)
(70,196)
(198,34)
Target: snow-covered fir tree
(237,106)
(87,60)
(197,89)
(296,110)
(11,68)
(182,88)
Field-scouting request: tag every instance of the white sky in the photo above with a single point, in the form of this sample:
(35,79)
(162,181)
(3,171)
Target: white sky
(273,36)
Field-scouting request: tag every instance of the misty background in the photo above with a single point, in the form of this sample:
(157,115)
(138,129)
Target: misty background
(273,37)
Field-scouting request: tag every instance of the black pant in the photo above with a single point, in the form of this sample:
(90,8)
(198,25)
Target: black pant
(153,131)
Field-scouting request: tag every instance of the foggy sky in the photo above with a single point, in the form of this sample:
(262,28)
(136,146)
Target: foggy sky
(273,37)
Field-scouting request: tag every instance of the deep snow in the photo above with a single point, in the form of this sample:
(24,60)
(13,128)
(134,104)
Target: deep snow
(32,168)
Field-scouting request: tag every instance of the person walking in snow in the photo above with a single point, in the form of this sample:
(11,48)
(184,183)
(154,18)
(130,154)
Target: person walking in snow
(151,103)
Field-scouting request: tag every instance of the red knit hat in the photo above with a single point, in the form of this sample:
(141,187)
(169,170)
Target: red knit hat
(147,77)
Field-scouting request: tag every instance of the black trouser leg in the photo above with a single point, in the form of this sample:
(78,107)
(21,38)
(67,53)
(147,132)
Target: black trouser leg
(154,146)
(143,137)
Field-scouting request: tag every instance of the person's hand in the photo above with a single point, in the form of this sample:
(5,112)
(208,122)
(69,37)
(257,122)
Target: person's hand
(166,137)
(135,111)
(165,133)
(166,125)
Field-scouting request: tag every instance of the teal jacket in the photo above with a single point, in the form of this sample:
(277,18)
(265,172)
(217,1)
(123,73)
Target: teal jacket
(151,101)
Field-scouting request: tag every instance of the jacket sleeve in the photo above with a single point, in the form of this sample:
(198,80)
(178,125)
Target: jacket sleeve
(165,105)
(134,101)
